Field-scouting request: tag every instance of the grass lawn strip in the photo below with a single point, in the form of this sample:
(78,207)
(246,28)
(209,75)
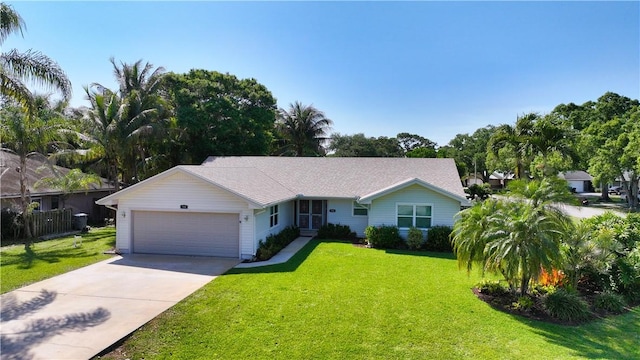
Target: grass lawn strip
(49,258)
(334,300)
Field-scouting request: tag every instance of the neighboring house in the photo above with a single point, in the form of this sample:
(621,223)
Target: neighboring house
(47,198)
(500,180)
(581,181)
(225,206)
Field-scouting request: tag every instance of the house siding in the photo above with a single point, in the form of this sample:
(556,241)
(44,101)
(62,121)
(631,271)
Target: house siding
(170,193)
(383,209)
(343,214)
(285,218)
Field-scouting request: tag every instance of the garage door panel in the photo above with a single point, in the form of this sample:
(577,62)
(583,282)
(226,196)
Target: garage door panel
(181,233)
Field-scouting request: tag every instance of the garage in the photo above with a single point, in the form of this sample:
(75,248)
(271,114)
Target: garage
(186,233)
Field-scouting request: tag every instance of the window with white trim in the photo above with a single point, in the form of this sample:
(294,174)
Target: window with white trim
(360,209)
(417,215)
(273,216)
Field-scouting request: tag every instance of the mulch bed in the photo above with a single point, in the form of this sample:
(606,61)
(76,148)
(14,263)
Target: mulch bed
(505,303)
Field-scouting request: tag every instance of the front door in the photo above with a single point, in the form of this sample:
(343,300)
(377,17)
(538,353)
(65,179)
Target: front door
(311,214)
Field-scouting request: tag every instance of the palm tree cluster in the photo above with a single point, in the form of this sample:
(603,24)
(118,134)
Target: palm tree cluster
(120,123)
(534,137)
(515,238)
(525,235)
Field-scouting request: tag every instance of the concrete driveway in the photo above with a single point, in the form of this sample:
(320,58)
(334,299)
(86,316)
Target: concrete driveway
(78,314)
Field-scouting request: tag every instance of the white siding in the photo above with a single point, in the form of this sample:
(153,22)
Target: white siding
(169,193)
(343,215)
(383,209)
(285,218)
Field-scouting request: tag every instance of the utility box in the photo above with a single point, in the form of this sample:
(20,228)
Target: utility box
(80,221)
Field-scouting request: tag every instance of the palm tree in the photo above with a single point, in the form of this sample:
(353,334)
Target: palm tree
(303,129)
(25,130)
(102,126)
(30,134)
(31,66)
(123,121)
(524,239)
(519,138)
(516,238)
(73,181)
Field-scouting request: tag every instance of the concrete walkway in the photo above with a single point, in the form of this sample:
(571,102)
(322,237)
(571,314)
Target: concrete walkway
(283,256)
(79,314)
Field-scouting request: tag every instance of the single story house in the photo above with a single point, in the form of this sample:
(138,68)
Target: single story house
(500,180)
(225,206)
(48,198)
(581,181)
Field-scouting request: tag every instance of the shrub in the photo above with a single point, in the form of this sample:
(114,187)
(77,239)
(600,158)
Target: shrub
(493,288)
(523,303)
(480,191)
(566,306)
(609,301)
(438,239)
(384,237)
(414,238)
(333,231)
(11,224)
(274,243)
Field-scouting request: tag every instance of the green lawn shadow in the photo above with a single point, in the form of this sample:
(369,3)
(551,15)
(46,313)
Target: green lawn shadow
(25,260)
(615,337)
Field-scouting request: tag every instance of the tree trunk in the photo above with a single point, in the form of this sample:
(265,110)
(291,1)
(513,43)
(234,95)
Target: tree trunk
(25,201)
(604,193)
(524,285)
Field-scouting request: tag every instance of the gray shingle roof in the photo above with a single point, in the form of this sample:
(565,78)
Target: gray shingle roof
(272,179)
(36,169)
(576,175)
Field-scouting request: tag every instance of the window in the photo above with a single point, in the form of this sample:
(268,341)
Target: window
(55,202)
(418,215)
(273,217)
(360,209)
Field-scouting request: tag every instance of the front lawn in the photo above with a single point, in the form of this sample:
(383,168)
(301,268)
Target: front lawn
(45,259)
(335,300)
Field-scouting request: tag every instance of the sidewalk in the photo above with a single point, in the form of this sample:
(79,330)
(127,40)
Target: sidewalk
(283,256)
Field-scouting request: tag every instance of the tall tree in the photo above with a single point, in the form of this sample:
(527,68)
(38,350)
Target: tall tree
(218,114)
(358,145)
(31,133)
(302,130)
(16,68)
(470,152)
(19,68)
(102,125)
(518,138)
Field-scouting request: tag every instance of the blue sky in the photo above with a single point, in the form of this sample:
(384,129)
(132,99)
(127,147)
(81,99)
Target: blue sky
(431,68)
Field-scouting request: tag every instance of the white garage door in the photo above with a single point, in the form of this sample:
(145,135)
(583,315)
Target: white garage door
(180,233)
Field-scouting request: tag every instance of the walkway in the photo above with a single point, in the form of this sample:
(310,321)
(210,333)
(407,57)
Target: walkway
(283,256)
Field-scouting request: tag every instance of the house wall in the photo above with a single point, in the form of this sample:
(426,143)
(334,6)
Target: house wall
(383,209)
(285,218)
(577,184)
(343,215)
(169,193)
(78,203)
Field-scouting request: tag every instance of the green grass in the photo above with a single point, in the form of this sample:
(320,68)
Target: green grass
(335,301)
(45,259)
